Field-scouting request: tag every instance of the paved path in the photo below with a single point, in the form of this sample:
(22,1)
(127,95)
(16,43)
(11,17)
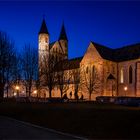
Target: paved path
(13,129)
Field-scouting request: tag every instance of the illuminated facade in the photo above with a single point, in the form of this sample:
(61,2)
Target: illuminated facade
(118,70)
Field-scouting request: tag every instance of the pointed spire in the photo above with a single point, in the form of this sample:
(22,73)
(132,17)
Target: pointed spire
(63,35)
(43,28)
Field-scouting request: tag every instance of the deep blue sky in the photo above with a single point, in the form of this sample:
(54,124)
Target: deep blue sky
(113,24)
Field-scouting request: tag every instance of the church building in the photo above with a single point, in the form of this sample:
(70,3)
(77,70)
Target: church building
(101,71)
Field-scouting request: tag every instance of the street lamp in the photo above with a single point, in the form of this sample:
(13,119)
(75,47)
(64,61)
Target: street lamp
(15,94)
(35,91)
(125,89)
(17,89)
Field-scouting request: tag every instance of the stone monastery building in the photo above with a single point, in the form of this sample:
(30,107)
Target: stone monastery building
(102,70)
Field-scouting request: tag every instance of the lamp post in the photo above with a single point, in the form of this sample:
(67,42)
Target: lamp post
(17,90)
(111,78)
(125,89)
(35,91)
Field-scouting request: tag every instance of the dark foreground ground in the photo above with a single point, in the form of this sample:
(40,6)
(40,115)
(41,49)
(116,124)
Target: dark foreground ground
(13,129)
(90,120)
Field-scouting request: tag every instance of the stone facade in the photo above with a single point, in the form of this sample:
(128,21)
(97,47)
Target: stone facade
(102,71)
(118,70)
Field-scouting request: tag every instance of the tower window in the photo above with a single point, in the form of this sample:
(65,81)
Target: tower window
(93,71)
(46,40)
(130,75)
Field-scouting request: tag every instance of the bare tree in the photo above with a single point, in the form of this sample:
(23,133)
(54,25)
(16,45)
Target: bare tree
(29,67)
(6,63)
(76,81)
(63,80)
(47,75)
(13,73)
(90,80)
(37,84)
(16,70)
(8,75)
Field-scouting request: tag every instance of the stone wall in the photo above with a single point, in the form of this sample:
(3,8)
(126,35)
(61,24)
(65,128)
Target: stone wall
(92,59)
(110,85)
(126,88)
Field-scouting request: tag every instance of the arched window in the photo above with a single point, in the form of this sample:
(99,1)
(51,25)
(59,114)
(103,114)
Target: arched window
(87,70)
(130,75)
(46,40)
(122,76)
(93,70)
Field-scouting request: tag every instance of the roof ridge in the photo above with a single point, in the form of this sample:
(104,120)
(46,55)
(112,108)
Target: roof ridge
(127,46)
(101,45)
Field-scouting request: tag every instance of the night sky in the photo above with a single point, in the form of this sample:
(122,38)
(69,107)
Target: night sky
(113,24)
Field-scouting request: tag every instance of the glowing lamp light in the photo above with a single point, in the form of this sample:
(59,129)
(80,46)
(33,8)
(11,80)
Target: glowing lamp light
(125,88)
(35,91)
(17,87)
(15,93)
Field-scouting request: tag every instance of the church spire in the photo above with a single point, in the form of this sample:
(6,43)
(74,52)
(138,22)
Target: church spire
(43,28)
(63,35)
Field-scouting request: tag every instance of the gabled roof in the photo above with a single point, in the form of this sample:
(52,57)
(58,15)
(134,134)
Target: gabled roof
(43,28)
(130,52)
(68,64)
(63,35)
(105,52)
(51,44)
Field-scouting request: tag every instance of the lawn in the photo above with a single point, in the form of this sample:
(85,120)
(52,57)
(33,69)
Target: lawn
(90,120)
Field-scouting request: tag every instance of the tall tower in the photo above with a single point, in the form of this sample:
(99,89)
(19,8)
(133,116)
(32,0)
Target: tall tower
(64,42)
(43,48)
